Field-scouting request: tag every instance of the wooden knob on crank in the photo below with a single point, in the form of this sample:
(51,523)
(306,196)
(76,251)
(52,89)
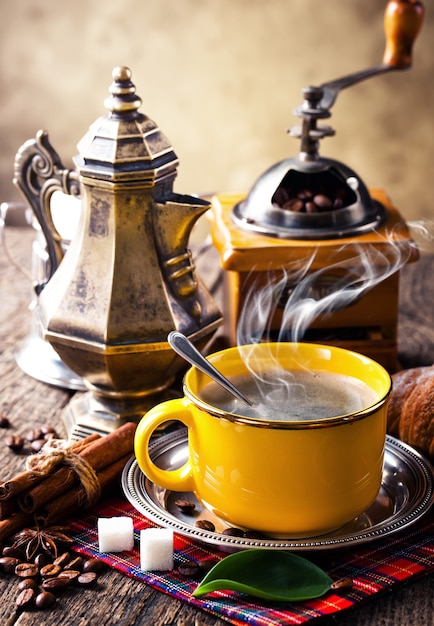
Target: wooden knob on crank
(402,22)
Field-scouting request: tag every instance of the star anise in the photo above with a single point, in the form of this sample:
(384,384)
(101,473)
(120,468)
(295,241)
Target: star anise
(41,540)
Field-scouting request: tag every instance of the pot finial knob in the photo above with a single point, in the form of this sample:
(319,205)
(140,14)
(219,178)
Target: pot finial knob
(123,98)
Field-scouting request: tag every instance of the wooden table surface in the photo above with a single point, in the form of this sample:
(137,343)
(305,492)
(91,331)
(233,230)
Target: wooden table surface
(119,600)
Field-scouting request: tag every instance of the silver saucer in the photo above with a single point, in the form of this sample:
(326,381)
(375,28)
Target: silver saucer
(405,495)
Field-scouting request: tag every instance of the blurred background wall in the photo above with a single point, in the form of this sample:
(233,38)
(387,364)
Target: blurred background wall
(221,78)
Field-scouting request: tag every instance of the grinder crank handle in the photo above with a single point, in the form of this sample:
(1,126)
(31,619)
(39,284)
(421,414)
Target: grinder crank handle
(402,23)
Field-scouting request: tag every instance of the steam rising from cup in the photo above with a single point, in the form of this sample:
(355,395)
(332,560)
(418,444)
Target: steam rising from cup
(303,293)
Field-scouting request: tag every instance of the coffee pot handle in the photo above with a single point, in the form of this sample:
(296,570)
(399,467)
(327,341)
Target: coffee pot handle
(38,173)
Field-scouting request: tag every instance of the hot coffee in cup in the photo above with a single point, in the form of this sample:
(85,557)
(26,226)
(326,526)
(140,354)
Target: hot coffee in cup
(306,458)
(296,395)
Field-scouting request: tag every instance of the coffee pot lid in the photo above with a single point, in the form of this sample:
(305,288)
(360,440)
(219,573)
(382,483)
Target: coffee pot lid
(126,145)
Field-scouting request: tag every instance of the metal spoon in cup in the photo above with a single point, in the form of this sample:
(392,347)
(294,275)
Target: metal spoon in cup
(183,346)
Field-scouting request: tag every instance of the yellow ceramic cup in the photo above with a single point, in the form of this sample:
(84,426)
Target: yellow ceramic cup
(283,478)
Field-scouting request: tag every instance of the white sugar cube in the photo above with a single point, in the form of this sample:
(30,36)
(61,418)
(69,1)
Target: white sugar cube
(115,534)
(156,549)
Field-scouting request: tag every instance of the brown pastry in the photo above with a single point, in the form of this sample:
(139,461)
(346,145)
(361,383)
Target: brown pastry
(403,382)
(411,408)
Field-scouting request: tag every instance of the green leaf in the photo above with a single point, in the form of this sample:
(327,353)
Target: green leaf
(267,574)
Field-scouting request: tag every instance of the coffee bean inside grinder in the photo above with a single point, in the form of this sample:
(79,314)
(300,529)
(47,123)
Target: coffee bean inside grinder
(313,193)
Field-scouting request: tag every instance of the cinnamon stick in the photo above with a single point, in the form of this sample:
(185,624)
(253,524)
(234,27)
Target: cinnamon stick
(69,503)
(99,454)
(27,479)
(53,485)
(17,484)
(7,508)
(66,505)
(14,524)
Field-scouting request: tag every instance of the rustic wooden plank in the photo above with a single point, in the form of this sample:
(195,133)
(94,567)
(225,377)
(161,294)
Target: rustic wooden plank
(118,601)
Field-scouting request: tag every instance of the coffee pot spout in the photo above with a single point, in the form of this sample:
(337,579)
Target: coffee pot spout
(174,220)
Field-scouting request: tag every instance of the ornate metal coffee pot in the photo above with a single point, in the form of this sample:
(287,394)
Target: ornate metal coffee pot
(127,278)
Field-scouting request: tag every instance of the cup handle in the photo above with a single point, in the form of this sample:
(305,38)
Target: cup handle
(180,479)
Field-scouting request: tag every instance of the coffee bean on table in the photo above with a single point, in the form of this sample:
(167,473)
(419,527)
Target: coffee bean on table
(76,563)
(4,422)
(27,583)
(16,553)
(55,585)
(45,600)
(49,430)
(37,444)
(25,598)
(26,570)
(87,579)
(70,574)
(63,559)
(41,559)
(14,442)
(93,565)
(41,582)
(50,570)
(34,434)
(8,564)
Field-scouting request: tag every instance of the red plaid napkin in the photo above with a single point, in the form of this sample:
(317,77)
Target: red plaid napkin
(375,567)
